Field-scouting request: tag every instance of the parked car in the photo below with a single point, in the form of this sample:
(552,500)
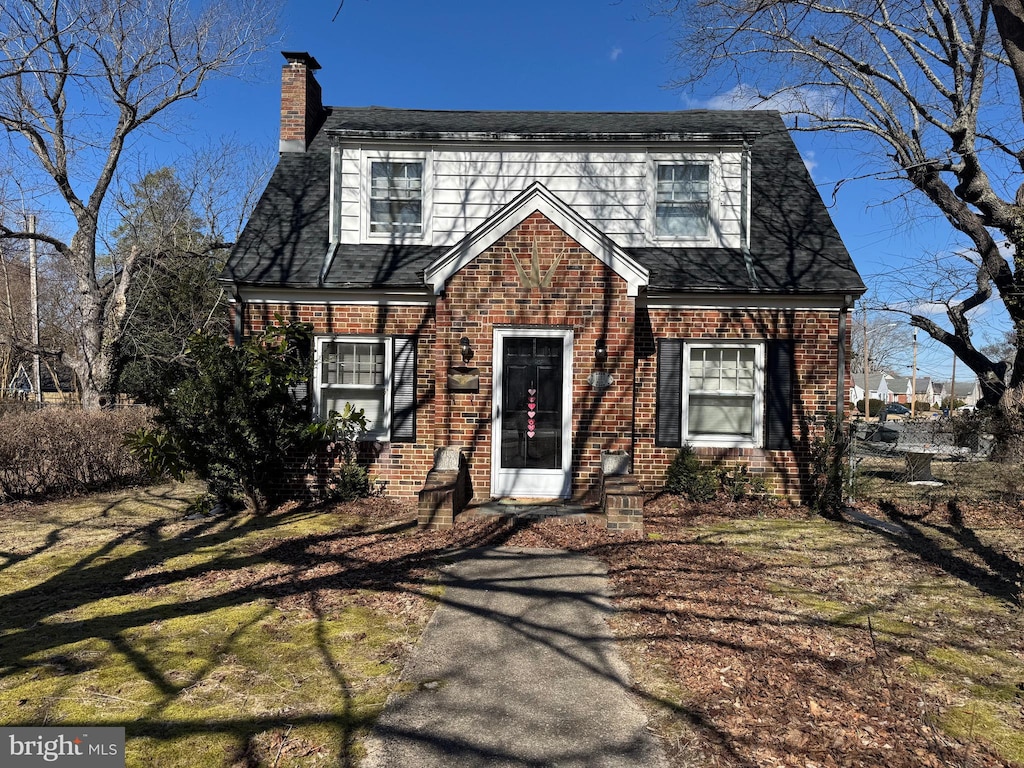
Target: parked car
(896,411)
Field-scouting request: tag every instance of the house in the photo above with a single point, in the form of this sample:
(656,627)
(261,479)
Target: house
(538,289)
(57,385)
(878,387)
(967,391)
(902,388)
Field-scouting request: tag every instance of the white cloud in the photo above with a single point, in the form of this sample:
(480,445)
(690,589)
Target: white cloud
(616,52)
(809,160)
(795,101)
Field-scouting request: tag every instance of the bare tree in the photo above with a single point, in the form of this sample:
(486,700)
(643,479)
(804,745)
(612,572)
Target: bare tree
(938,85)
(888,343)
(79,79)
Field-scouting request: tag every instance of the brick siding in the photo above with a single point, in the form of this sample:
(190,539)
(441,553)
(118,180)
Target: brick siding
(586,296)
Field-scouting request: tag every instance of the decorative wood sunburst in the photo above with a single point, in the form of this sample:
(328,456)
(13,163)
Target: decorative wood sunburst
(532,277)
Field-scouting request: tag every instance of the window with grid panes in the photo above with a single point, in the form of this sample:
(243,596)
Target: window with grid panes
(723,390)
(355,372)
(682,200)
(396,197)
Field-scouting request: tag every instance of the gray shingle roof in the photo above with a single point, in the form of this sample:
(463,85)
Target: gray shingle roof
(794,246)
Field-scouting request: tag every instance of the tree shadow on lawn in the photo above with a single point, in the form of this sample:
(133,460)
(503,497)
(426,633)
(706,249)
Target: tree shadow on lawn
(126,590)
(697,604)
(998,574)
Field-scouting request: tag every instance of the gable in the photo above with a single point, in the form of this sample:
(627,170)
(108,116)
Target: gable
(536,199)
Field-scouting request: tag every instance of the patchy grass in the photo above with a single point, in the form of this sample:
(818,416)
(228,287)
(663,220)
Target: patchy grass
(233,638)
(762,639)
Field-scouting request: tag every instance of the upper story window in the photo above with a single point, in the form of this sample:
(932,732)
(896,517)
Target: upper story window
(682,200)
(396,197)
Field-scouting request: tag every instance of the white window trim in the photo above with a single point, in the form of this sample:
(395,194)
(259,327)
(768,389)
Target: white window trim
(368,157)
(384,435)
(726,441)
(711,159)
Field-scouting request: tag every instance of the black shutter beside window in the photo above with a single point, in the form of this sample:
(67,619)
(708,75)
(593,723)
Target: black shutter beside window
(403,390)
(669,399)
(779,395)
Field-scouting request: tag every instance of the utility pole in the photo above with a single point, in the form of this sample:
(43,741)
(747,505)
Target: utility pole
(33,292)
(913,381)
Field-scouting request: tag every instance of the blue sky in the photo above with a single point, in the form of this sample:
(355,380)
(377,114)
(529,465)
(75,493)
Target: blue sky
(557,55)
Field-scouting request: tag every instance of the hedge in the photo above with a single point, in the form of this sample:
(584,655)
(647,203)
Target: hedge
(60,451)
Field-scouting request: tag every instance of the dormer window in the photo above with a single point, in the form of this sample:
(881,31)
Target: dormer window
(682,200)
(396,197)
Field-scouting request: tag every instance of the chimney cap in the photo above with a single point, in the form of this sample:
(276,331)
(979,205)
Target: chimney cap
(301,57)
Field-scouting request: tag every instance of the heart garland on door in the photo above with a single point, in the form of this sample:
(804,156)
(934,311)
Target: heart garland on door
(531,413)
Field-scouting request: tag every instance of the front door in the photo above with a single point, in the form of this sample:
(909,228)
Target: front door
(532,413)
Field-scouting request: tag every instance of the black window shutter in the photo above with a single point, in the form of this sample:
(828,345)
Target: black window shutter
(403,390)
(669,400)
(779,396)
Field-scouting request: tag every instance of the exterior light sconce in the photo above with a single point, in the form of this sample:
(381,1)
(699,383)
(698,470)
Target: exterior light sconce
(601,350)
(465,349)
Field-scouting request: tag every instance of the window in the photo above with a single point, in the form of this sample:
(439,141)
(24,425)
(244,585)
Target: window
(354,371)
(722,392)
(715,394)
(396,197)
(682,200)
(373,373)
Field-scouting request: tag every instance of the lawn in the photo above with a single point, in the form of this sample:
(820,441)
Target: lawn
(757,636)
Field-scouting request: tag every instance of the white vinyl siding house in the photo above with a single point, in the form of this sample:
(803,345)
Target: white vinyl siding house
(614,189)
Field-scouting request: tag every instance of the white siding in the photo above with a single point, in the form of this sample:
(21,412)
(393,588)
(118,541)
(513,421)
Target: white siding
(612,189)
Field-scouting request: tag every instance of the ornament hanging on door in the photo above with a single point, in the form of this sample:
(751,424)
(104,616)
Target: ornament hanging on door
(531,411)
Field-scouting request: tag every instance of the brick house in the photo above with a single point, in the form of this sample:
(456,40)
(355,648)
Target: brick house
(538,289)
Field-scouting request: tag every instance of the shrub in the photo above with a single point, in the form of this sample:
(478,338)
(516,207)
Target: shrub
(739,483)
(342,431)
(828,463)
(686,476)
(874,406)
(921,408)
(63,451)
(347,483)
(234,420)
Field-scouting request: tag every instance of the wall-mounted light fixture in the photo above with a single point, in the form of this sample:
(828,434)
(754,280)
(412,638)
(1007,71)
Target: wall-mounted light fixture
(465,349)
(601,350)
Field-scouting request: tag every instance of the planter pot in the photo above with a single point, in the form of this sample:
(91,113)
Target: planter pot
(615,462)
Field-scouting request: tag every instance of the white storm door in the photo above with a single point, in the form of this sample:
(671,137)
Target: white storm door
(531,413)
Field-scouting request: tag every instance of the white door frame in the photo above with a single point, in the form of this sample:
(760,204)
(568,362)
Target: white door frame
(531,483)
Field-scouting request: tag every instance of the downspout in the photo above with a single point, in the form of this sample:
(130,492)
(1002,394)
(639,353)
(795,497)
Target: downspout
(841,356)
(841,390)
(239,323)
(748,262)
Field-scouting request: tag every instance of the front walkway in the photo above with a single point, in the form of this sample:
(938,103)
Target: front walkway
(517,667)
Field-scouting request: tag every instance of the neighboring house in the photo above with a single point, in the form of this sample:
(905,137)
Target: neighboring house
(902,388)
(968,391)
(878,386)
(56,383)
(538,287)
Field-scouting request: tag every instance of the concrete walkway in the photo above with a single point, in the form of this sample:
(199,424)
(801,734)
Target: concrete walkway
(517,667)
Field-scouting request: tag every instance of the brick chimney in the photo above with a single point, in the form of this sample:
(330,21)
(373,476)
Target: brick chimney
(302,110)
